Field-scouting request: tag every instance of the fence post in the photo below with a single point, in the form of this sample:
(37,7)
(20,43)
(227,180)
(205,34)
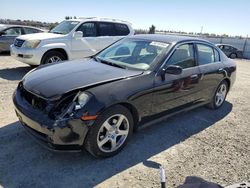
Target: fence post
(244,47)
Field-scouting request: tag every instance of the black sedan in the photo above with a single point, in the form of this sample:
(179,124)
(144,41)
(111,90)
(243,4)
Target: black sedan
(97,103)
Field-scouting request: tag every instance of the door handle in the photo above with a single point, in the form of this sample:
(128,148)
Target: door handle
(221,70)
(194,76)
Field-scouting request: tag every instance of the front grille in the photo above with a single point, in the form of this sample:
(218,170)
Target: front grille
(18,42)
(35,101)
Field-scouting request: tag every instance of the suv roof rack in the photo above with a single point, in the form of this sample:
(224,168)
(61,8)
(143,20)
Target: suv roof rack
(104,19)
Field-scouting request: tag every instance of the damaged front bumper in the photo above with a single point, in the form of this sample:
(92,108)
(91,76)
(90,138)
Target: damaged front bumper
(61,135)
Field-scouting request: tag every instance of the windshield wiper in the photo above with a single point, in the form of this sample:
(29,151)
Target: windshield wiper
(56,32)
(109,63)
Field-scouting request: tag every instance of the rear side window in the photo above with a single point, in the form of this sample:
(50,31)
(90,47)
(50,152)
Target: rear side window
(106,29)
(121,29)
(88,29)
(30,30)
(183,56)
(207,54)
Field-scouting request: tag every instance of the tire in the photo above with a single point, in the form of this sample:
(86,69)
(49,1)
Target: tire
(57,56)
(99,140)
(215,104)
(233,56)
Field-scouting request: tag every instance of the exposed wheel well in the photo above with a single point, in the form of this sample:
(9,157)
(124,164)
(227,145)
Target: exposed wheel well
(61,50)
(228,82)
(134,113)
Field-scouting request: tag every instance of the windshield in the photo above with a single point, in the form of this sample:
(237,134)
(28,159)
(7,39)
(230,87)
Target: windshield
(133,53)
(64,27)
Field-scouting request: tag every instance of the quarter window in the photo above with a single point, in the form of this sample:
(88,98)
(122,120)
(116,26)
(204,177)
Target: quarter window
(216,56)
(121,29)
(207,54)
(106,29)
(183,56)
(88,29)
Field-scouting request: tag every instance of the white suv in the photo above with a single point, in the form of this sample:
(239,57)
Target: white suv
(71,39)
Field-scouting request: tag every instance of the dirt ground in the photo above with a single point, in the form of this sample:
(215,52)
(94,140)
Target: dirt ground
(213,145)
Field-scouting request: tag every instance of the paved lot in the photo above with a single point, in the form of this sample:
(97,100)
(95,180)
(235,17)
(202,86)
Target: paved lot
(214,145)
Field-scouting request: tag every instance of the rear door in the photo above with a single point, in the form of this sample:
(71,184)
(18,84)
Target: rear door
(211,68)
(178,91)
(106,34)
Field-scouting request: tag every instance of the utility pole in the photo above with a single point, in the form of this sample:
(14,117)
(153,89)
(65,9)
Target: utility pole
(201,29)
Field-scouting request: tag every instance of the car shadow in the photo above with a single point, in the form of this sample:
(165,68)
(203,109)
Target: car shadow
(24,163)
(13,74)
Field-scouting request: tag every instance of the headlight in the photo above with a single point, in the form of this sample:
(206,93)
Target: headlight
(82,99)
(31,43)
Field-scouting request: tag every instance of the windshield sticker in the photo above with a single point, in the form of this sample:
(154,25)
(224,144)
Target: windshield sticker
(159,44)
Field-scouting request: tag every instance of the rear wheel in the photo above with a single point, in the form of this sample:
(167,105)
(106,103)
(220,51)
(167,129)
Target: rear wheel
(110,132)
(219,96)
(52,57)
(233,56)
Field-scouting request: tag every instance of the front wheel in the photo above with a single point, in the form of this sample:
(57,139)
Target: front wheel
(110,132)
(52,57)
(219,96)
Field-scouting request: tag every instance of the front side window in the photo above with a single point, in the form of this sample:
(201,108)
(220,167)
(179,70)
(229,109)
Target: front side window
(16,31)
(183,56)
(106,29)
(134,54)
(207,54)
(64,27)
(88,29)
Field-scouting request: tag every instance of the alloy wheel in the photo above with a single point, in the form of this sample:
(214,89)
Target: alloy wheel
(113,133)
(54,59)
(220,95)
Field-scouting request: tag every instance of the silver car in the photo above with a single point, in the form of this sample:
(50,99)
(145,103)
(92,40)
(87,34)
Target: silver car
(8,33)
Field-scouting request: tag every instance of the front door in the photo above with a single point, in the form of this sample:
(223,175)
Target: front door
(178,91)
(87,45)
(8,36)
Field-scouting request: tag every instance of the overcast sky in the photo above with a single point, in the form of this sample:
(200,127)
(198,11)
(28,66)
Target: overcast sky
(216,16)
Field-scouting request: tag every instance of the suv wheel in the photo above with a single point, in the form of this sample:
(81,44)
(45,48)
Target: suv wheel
(52,57)
(110,132)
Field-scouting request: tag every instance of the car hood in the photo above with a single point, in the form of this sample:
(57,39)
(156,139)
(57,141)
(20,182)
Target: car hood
(39,36)
(51,81)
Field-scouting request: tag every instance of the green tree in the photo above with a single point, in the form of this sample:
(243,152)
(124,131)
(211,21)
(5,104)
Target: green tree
(152,30)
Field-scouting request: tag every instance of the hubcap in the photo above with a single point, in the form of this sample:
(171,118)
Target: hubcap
(113,133)
(54,59)
(220,95)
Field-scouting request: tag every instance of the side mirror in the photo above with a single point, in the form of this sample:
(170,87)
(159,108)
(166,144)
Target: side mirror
(77,35)
(173,69)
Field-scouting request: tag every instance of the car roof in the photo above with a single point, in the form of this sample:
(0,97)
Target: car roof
(5,26)
(167,38)
(99,19)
